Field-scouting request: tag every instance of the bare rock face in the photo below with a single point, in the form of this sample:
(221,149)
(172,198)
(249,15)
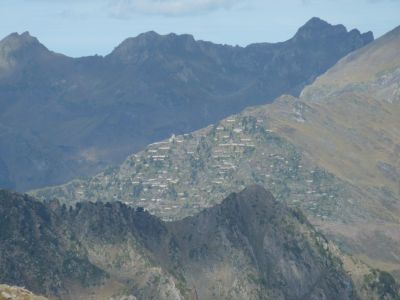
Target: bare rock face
(252,245)
(248,247)
(63,117)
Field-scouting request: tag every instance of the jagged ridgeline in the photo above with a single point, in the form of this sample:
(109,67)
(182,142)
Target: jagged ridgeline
(333,152)
(250,246)
(95,111)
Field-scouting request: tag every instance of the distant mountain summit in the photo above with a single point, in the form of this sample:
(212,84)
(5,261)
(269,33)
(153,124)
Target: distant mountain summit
(22,46)
(63,117)
(17,49)
(152,42)
(15,42)
(248,247)
(317,27)
(365,64)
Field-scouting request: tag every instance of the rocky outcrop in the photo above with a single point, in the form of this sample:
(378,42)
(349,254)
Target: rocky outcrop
(248,247)
(37,250)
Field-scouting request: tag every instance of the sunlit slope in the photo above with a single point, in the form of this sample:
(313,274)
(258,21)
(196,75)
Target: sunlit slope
(348,121)
(364,64)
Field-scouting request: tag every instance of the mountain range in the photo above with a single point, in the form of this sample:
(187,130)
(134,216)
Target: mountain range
(64,117)
(250,246)
(333,152)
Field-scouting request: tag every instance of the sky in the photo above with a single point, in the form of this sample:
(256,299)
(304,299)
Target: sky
(87,27)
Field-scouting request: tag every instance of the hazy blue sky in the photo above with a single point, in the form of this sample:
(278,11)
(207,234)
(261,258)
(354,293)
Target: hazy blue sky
(86,27)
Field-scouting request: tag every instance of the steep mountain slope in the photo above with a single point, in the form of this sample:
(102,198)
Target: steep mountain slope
(355,106)
(37,251)
(347,122)
(332,152)
(248,247)
(63,117)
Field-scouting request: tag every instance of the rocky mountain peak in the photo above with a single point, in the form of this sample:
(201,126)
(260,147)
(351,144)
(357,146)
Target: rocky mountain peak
(254,197)
(152,42)
(144,38)
(15,42)
(316,22)
(367,37)
(317,28)
(363,65)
